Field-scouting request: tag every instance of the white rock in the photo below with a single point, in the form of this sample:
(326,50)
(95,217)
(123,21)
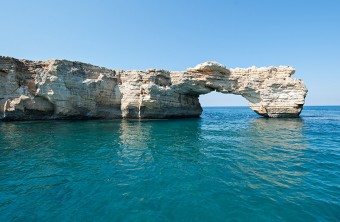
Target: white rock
(65,89)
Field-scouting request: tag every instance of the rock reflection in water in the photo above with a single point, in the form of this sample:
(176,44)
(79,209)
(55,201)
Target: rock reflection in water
(274,153)
(154,138)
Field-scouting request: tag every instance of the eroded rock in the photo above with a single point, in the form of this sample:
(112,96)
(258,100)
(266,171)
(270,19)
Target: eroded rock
(61,89)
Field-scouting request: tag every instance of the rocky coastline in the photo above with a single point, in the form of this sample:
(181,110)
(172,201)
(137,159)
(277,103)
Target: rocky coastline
(61,89)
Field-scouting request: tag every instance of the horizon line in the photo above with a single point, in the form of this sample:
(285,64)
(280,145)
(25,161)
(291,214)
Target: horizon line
(248,106)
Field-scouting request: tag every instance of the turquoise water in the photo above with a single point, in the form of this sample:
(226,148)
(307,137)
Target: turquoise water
(229,165)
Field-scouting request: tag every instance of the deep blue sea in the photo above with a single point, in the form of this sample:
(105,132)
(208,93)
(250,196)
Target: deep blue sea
(229,165)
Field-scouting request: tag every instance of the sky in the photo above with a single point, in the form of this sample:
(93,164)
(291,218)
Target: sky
(175,35)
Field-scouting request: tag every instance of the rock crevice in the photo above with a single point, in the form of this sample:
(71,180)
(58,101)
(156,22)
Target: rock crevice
(61,89)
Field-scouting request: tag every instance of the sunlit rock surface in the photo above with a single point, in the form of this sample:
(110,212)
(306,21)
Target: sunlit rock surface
(61,89)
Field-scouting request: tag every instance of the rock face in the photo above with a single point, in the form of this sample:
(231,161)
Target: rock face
(60,89)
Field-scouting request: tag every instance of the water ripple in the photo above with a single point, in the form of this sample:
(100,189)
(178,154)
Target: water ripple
(229,164)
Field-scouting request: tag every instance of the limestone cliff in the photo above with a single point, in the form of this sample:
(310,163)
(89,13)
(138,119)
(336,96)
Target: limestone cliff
(61,89)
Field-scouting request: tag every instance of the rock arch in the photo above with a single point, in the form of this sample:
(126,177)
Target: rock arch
(78,90)
(270,91)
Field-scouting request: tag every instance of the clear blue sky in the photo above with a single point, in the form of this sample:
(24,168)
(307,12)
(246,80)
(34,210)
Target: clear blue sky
(174,35)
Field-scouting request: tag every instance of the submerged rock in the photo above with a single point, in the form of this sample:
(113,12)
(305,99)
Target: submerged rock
(61,89)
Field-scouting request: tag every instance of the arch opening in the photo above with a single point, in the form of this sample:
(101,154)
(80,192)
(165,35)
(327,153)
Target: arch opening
(218,99)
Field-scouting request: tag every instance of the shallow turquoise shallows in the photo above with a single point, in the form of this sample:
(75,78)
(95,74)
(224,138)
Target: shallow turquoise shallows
(229,165)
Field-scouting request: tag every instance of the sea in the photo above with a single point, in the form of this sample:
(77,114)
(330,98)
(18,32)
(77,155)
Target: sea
(228,165)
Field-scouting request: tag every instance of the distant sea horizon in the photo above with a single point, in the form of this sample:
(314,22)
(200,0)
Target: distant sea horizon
(248,106)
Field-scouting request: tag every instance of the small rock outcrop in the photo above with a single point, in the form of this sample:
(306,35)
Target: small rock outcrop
(61,89)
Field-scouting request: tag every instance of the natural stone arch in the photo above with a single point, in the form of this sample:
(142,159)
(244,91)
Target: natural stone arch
(57,89)
(270,91)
